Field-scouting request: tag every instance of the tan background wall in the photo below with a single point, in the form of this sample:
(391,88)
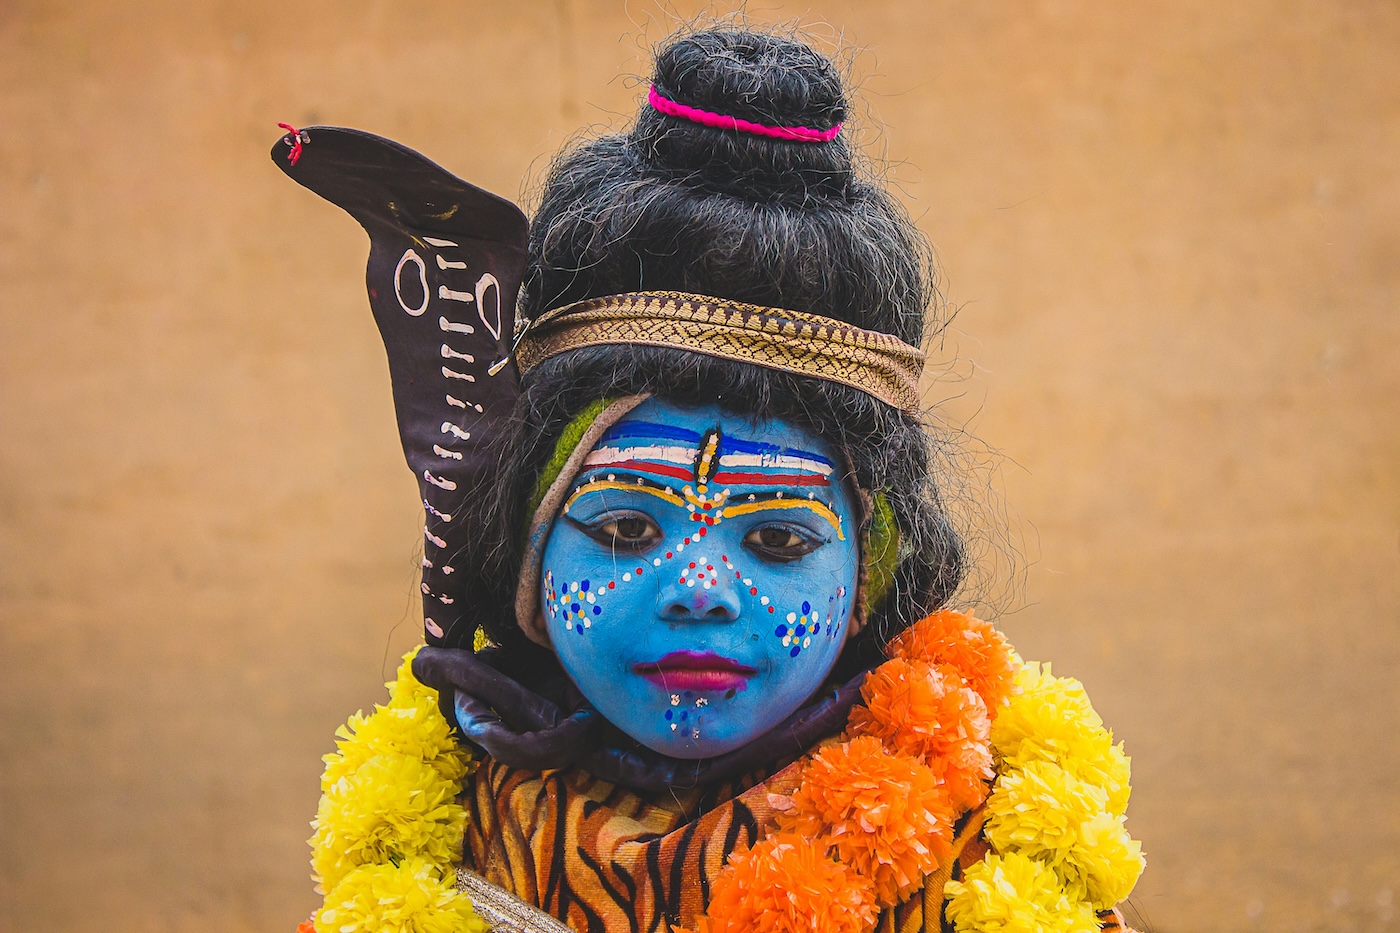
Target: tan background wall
(1171,228)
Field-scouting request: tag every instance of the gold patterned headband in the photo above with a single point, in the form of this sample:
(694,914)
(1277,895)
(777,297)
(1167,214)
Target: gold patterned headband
(878,364)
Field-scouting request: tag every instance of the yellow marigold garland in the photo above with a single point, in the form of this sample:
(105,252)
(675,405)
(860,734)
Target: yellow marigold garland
(1062,789)
(877,810)
(1012,893)
(388,831)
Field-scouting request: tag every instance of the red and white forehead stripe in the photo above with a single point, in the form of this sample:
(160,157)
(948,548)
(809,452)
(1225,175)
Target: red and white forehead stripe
(672,462)
(735,468)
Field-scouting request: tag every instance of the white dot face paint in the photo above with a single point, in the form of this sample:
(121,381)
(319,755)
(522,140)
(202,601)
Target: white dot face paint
(696,583)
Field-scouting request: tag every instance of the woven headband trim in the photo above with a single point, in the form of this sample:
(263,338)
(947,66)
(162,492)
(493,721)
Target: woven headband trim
(720,121)
(877,364)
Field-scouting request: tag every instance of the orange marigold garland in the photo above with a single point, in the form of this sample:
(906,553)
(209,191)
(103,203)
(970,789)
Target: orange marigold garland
(974,648)
(926,712)
(876,812)
(873,816)
(784,883)
(884,813)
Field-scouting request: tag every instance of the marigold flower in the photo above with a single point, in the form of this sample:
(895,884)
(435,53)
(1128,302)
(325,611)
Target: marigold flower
(411,724)
(1106,864)
(411,897)
(785,884)
(405,689)
(392,807)
(1052,816)
(976,650)
(416,730)
(1052,720)
(885,814)
(926,712)
(1011,893)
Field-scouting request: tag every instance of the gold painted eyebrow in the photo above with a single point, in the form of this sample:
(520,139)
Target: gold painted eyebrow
(747,508)
(601,485)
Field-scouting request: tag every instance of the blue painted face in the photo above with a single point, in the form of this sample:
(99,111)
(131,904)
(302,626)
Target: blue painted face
(698,583)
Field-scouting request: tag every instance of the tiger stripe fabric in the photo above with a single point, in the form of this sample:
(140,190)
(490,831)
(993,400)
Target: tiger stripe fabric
(606,859)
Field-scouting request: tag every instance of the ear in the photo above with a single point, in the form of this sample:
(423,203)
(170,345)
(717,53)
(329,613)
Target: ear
(445,264)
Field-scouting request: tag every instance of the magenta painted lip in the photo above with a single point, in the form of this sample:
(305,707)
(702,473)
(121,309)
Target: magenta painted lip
(696,670)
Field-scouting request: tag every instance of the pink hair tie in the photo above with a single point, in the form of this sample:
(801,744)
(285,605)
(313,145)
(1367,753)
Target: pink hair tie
(719,121)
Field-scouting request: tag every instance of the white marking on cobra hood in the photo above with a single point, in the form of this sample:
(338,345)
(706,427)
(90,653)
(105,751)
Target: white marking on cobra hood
(452,327)
(440,482)
(453,374)
(451,295)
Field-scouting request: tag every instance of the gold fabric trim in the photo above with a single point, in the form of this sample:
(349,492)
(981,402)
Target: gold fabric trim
(878,364)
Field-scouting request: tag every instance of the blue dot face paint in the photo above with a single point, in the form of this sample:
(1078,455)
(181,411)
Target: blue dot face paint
(699,580)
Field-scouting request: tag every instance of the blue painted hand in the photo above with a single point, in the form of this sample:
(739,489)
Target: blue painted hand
(699,581)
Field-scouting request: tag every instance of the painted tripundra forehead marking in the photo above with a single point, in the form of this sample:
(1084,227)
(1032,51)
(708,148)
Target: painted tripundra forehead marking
(643,446)
(705,485)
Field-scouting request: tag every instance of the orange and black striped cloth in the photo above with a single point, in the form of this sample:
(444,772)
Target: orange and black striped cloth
(606,859)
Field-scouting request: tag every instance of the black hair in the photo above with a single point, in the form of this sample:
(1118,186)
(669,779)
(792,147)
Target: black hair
(675,205)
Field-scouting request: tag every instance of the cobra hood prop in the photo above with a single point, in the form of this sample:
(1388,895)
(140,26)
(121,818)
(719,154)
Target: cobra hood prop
(446,261)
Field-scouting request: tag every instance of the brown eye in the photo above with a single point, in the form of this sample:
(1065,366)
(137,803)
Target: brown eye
(778,538)
(627,532)
(629,529)
(781,543)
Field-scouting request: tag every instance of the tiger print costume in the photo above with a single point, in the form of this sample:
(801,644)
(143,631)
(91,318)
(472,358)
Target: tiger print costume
(606,859)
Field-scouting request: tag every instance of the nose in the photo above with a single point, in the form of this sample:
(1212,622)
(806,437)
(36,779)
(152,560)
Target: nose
(699,592)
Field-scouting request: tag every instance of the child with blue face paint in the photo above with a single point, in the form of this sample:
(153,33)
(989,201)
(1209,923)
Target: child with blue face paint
(678,528)
(699,579)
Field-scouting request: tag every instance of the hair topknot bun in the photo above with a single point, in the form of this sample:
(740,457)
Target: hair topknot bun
(674,205)
(752,76)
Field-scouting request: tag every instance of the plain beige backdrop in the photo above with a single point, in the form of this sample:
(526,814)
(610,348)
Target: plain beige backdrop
(1170,229)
